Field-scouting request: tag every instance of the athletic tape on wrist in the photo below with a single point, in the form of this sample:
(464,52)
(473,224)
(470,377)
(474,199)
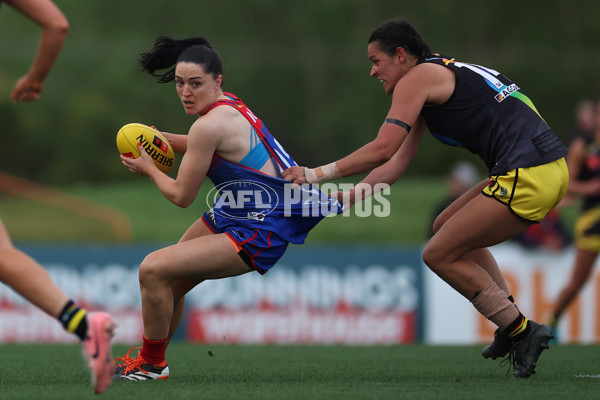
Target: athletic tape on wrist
(322,173)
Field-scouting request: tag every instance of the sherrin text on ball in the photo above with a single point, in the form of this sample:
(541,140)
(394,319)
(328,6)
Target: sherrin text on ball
(155,144)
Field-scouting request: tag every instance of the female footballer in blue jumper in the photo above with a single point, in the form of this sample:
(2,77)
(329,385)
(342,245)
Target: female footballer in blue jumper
(230,145)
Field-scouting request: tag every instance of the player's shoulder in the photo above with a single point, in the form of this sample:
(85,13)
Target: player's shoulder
(429,75)
(221,112)
(216,122)
(432,69)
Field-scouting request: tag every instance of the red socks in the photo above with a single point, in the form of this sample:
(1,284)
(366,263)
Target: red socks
(153,351)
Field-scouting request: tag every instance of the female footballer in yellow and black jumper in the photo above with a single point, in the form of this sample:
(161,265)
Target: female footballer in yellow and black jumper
(584,170)
(477,108)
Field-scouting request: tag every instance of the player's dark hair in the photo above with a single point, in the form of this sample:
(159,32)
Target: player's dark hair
(398,33)
(168,52)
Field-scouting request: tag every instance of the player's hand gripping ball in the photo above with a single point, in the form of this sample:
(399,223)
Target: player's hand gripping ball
(155,144)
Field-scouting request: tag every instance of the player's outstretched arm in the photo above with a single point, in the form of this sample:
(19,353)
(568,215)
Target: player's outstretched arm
(392,170)
(55,28)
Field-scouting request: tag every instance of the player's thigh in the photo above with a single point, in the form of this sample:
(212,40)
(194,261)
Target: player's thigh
(197,229)
(482,222)
(458,204)
(181,287)
(206,257)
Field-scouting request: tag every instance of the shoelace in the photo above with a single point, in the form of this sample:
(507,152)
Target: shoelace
(510,359)
(130,364)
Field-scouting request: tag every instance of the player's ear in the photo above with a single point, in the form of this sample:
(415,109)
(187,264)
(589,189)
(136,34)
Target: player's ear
(400,54)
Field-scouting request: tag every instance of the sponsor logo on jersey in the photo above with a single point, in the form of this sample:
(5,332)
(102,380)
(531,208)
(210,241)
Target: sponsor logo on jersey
(449,61)
(256,216)
(504,93)
(230,199)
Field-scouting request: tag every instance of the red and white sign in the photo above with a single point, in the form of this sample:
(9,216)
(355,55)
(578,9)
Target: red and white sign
(259,326)
(329,296)
(314,304)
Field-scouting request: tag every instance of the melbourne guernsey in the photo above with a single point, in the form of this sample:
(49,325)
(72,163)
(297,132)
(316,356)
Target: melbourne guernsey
(254,200)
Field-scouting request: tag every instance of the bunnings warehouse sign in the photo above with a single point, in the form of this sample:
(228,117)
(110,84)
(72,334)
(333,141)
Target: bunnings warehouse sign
(314,295)
(326,295)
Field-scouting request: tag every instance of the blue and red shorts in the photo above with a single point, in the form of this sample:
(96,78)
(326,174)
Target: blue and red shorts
(260,249)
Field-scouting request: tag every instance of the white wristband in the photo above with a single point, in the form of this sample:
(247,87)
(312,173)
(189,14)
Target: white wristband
(322,174)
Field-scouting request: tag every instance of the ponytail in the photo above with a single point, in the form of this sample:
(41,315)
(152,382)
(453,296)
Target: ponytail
(167,52)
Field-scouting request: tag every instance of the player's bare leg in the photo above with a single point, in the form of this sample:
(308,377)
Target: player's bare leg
(501,344)
(207,257)
(480,256)
(446,255)
(28,278)
(165,276)
(584,264)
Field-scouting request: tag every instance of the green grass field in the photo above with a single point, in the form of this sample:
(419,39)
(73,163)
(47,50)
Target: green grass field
(307,372)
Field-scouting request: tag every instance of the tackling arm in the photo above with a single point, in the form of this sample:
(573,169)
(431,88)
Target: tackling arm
(393,169)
